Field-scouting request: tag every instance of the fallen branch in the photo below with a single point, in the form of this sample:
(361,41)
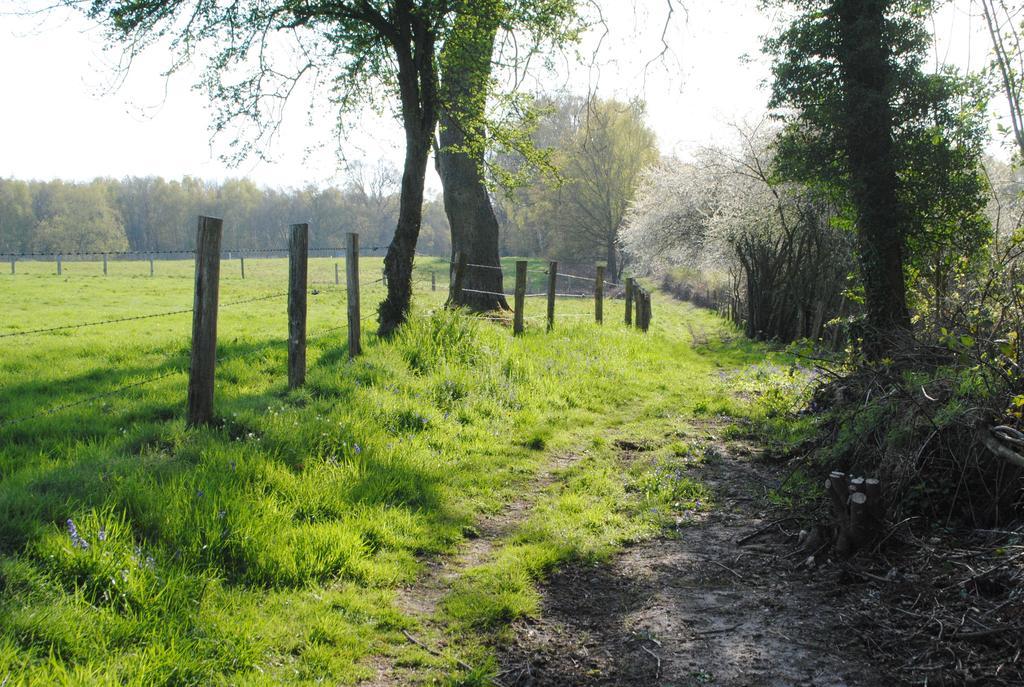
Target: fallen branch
(718,631)
(1000,451)
(657,658)
(434,652)
(762,530)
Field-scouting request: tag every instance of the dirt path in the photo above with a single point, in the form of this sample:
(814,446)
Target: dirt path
(421,600)
(696,609)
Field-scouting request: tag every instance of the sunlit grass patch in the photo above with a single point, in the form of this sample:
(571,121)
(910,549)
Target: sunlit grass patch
(266,547)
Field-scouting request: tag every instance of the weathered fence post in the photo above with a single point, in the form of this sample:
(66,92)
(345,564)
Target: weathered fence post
(599,295)
(298,270)
(629,301)
(60,265)
(352,293)
(104,264)
(639,297)
(337,280)
(13,260)
(647,310)
(433,281)
(458,272)
(151,265)
(241,261)
(204,322)
(552,287)
(520,296)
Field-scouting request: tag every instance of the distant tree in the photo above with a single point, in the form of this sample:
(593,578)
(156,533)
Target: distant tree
(79,218)
(600,149)
(17,217)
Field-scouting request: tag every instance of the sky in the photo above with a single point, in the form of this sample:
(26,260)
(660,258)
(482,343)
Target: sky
(66,115)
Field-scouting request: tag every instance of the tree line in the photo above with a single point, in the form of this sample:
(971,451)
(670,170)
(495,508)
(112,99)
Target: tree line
(155,214)
(570,209)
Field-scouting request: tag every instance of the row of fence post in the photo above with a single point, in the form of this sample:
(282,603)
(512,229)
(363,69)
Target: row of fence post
(204,311)
(633,293)
(60,266)
(152,271)
(203,363)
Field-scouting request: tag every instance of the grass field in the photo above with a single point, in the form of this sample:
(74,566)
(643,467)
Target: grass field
(267,549)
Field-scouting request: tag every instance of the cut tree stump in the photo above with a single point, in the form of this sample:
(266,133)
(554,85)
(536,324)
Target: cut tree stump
(858,511)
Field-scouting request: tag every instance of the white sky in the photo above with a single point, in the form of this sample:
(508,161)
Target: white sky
(60,119)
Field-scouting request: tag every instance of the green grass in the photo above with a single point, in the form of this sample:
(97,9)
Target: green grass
(266,549)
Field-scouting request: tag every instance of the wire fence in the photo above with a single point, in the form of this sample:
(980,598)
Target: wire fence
(226,253)
(355,318)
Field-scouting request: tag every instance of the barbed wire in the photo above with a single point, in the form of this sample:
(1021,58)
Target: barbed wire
(485,267)
(486,293)
(44,330)
(253,300)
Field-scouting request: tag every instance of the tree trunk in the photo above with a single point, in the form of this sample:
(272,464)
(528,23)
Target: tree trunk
(402,250)
(613,262)
(867,125)
(465,80)
(414,52)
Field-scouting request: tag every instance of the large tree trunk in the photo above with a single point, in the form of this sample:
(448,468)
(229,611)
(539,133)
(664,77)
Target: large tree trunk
(465,79)
(414,49)
(399,259)
(867,74)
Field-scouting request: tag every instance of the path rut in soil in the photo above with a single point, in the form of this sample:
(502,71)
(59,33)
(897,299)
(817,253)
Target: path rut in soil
(693,609)
(421,599)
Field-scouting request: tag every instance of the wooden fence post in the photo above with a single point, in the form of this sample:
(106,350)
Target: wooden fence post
(552,287)
(638,296)
(241,261)
(337,280)
(204,322)
(640,308)
(352,294)
(433,281)
(60,265)
(13,260)
(647,310)
(298,270)
(151,265)
(520,296)
(458,272)
(629,301)
(104,264)
(599,295)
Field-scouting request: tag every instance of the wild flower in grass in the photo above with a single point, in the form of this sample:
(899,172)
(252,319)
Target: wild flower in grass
(76,541)
(356,448)
(102,534)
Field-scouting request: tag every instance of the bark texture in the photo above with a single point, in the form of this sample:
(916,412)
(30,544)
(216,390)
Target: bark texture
(417,82)
(868,132)
(465,77)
